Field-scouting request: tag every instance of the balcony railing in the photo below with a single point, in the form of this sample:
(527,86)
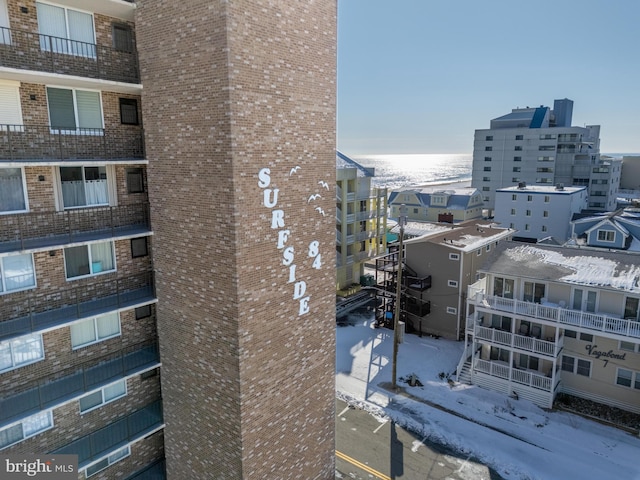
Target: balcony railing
(597,322)
(31,311)
(42,142)
(33,51)
(75,381)
(45,229)
(520,342)
(125,430)
(523,377)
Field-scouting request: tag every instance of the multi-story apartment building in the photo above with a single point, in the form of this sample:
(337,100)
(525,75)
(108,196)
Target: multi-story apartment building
(437,204)
(539,212)
(92,297)
(437,269)
(539,146)
(78,351)
(545,320)
(361,221)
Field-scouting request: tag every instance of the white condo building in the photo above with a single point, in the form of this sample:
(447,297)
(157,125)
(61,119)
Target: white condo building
(539,212)
(539,146)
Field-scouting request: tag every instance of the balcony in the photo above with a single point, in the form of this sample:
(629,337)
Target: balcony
(31,311)
(134,426)
(589,321)
(417,307)
(75,381)
(519,342)
(523,377)
(44,143)
(43,53)
(417,283)
(41,230)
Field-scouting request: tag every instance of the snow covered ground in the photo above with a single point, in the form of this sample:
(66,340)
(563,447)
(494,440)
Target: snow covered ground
(516,438)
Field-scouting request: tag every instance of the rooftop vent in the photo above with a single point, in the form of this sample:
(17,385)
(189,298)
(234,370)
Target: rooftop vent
(559,186)
(522,185)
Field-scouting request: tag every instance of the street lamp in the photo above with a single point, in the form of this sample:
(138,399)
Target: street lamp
(402,221)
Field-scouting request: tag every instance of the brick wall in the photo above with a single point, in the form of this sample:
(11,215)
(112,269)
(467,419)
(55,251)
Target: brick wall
(231,88)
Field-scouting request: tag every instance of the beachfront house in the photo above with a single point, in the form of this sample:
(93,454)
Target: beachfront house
(437,204)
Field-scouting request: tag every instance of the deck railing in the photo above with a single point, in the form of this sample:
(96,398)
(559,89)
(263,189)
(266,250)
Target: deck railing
(33,51)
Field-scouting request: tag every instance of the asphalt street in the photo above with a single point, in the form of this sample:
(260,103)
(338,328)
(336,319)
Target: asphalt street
(372,448)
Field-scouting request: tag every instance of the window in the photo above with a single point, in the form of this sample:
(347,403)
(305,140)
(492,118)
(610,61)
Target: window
(28,427)
(517,169)
(519,137)
(518,148)
(543,228)
(584,368)
(527,362)
(515,179)
(452,310)
(568,363)
(89,259)
(576,365)
(63,30)
(95,330)
(488,248)
(479,252)
(545,213)
(629,346)
(17,273)
(570,333)
(586,337)
(135,180)
(452,283)
(526,227)
(107,461)
(75,111)
(631,308)
(488,149)
(143,312)
(503,287)
(533,292)
(486,189)
(103,396)
(499,354)
(487,159)
(606,236)
(488,138)
(84,186)
(514,197)
(12,189)
(487,169)
(486,179)
(454,256)
(546,199)
(584,300)
(624,377)
(517,159)
(501,323)
(139,247)
(21,351)
(122,37)
(528,213)
(10,107)
(129,111)
(546,147)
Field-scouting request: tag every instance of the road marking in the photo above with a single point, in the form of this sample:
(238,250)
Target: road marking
(416,444)
(464,464)
(346,409)
(380,426)
(364,467)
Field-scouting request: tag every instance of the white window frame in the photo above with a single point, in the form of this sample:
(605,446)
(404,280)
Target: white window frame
(25,196)
(635,347)
(3,279)
(111,188)
(96,330)
(44,415)
(69,50)
(95,131)
(91,267)
(103,395)
(454,256)
(576,361)
(607,232)
(452,310)
(452,283)
(11,104)
(112,458)
(14,343)
(632,380)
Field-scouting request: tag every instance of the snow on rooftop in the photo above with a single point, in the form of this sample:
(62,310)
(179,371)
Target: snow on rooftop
(588,269)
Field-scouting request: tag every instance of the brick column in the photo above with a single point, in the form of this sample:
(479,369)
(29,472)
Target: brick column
(239,117)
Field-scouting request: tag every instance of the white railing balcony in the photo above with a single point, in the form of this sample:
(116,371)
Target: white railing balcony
(350,218)
(595,322)
(520,342)
(351,196)
(523,377)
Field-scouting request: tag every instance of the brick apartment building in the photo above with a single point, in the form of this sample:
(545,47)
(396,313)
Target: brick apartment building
(165,307)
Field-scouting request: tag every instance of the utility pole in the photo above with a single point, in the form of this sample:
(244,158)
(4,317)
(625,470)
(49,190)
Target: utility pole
(402,221)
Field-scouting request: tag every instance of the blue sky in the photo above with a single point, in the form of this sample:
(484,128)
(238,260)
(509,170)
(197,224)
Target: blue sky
(419,76)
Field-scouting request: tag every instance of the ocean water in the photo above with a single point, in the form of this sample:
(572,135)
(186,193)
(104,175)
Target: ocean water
(413,170)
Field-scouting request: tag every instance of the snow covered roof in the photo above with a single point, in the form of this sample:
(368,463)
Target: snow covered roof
(343,161)
(465,237)
(459,198)
(616,270)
